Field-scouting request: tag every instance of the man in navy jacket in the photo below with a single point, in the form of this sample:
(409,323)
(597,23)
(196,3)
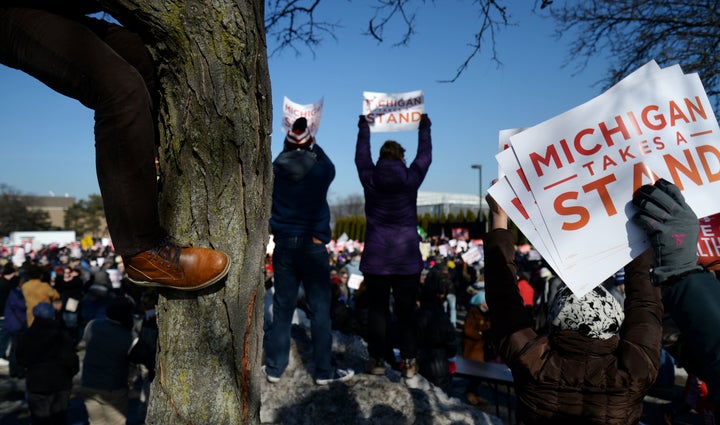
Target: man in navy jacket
(300,224)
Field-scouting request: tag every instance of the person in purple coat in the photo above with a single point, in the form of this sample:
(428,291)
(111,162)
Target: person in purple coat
(391,260)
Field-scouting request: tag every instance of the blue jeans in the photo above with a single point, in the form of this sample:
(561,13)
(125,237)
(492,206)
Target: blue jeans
(298,260)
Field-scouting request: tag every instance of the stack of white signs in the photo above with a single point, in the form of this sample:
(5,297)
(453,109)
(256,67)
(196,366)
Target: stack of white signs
(567,183)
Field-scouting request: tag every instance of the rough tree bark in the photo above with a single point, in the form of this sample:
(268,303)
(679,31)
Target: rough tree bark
(214,125)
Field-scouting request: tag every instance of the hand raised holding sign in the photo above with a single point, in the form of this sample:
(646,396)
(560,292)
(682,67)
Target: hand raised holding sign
(672,227)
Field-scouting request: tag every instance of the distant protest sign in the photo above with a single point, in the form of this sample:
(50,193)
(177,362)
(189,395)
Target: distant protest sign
(292,111)
(355,280)
(393,111)
(708,248)
(575,174)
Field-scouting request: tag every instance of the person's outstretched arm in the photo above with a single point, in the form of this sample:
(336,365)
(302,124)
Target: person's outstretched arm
(641,331)
(423,157)
(505,305)
(690,294)
(363,159)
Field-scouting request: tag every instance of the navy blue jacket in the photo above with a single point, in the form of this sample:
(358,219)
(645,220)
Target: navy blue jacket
(299,199)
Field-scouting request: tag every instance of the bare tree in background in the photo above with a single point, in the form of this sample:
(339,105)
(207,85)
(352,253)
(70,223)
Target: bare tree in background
(632,32)
(348,206)
(293,22)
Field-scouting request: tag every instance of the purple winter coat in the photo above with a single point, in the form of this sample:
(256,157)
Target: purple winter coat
(392,244)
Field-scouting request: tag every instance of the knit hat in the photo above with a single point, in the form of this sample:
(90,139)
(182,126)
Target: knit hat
(596,315)
(299,135)
(44,310)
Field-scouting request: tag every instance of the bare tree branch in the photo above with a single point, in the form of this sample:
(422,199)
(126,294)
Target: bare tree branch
(385,12)
(493,17)
(292,22)
(632,32)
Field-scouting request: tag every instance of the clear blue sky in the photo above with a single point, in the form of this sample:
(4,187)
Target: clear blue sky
(46,143)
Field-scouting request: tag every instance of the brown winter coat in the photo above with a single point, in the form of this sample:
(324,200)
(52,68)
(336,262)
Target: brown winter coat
(35,292)
(568,378)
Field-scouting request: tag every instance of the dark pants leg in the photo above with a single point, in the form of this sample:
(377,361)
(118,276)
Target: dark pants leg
(50,409)
(378,296)
(14,367)
(107,69)
(404,289)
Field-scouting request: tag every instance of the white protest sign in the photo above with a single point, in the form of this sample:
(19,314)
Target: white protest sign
(504,140)
(292,111)
(504,195)
(355,280)
(521,205)
(393,111)
(524,204)
(472,255)
(584,165)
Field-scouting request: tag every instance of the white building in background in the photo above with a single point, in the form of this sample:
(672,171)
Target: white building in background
(437,202)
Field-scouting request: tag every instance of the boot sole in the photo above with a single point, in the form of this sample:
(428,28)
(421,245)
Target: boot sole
(152,284)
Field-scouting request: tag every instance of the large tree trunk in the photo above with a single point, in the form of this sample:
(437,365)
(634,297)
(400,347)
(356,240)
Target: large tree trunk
(214,125)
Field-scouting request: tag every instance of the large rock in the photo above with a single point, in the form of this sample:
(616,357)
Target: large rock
(366,399)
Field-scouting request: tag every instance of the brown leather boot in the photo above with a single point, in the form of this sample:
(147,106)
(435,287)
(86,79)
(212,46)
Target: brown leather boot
(170,266)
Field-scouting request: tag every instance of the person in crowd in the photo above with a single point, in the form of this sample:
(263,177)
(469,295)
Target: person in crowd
(435,333)
(15,323)
(390,188)
(36,291)
(70,287)
(353,266)
(344,278)
(454,282)
(341,315)
(300,224)
(47,351)
(110,348)
(476,341)
(94,303)
(690,294)
(599,360)
(527,292)
(107,68)
(8,281)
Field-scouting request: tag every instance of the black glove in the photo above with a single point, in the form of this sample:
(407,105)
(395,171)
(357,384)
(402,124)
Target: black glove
(671,226)
(425,121)
(362,121)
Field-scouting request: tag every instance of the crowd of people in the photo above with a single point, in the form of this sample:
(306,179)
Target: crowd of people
(59,301)
(574,359)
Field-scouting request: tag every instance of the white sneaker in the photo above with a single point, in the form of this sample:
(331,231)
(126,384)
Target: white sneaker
(340,375)
(270,379)
(4,363)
